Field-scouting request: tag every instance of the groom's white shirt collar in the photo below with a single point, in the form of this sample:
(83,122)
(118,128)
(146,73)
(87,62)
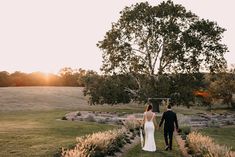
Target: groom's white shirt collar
(169,109)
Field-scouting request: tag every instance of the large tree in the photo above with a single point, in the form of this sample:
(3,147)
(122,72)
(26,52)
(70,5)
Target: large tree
(106,89)
(153,40)
(222,86)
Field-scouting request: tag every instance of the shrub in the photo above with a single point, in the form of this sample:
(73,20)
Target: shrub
(90,118)
(119,122)
(185,130)
(102,121)
(121,114)
(213,123)
(132,138)
(131,130)
(128,141)
(64,118)
(183,136)
(79,114)
(228,122)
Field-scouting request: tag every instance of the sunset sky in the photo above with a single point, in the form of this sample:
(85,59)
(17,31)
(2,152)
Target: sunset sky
(46,35)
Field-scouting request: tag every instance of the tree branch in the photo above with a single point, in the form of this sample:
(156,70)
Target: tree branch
(155,60)
(138,51)
(164,66)
(160,63)
(149,57)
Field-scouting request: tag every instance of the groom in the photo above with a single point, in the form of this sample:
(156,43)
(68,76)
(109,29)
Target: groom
(170,119)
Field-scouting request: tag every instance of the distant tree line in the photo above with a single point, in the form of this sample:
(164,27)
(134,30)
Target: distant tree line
(121,88)
(66,77)
(180,88)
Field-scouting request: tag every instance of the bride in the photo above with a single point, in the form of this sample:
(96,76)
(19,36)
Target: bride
(149,127)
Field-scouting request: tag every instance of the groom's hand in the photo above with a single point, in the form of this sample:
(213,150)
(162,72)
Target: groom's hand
(157,127)
(177,130)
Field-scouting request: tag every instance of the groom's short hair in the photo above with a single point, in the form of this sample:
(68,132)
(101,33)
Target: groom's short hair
(169,106)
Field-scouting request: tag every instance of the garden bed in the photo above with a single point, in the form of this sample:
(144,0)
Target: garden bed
(117,118)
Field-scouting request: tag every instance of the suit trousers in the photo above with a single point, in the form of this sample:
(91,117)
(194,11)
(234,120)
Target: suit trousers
(168,133)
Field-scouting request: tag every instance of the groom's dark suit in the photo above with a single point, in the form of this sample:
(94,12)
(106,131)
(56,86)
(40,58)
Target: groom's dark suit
(170,119)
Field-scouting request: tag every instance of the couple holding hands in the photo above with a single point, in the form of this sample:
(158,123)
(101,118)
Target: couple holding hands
(149,121)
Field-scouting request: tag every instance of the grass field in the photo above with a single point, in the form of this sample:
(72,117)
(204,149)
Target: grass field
(30,120)
(223,136)
(41,98)
(31,125)
(40,133)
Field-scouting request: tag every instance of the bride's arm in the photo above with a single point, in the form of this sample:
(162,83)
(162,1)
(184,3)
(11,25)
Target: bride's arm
(155,121)
(143,119)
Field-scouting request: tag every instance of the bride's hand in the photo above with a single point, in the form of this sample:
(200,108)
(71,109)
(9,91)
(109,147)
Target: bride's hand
(157,127)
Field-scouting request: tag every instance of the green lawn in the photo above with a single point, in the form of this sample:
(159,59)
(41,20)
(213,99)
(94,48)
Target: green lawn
(30,125)
(159,139)
(223,136)
(40,133)
(29,119)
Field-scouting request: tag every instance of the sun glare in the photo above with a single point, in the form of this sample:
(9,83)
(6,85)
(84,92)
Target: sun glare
(47,76)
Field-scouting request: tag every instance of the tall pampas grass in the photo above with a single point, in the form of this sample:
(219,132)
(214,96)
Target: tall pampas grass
(97,144)
(206,147)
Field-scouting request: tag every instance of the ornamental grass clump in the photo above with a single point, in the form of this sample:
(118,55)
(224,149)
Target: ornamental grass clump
(131,123)
(205,146)
(97,144)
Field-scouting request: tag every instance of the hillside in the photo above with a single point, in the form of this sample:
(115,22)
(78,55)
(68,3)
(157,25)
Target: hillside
(41,98)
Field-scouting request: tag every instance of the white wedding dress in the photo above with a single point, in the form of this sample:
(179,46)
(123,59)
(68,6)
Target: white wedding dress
(149,141)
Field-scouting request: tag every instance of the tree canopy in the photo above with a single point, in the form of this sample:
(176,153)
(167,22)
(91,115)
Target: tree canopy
(148,42)
(222,86)
(164,38)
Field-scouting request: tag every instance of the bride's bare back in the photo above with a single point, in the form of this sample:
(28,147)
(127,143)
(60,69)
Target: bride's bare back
(149,143)
(149,115)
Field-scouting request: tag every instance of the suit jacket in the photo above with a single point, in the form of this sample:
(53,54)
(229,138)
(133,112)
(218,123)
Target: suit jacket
(170,119)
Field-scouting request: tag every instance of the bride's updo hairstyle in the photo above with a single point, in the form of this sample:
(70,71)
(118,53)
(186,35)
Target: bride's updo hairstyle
(149,107)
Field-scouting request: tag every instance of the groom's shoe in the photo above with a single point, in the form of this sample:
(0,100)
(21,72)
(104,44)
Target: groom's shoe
(166,148)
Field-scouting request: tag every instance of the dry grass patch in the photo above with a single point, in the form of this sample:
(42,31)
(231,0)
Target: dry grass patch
(7,126)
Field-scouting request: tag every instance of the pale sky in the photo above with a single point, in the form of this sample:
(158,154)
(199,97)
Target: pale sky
(46,35)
